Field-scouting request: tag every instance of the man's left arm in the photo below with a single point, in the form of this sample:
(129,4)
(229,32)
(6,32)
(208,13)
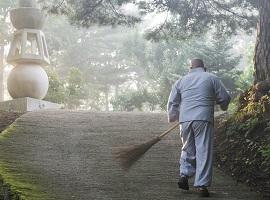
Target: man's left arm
(222,96)
(174,104)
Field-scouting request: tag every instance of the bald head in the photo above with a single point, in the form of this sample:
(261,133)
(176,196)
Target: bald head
(195,63)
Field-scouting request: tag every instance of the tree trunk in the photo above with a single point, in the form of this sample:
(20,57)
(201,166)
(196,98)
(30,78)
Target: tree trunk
(2,50)
(262,50)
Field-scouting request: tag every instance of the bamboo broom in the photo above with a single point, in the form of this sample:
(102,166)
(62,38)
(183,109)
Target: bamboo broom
(128,155)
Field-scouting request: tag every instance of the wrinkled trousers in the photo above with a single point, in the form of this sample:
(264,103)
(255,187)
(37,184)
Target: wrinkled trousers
(197,151)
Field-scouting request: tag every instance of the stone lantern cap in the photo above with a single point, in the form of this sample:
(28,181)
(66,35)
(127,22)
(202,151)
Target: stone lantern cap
(28,3)
(27,15)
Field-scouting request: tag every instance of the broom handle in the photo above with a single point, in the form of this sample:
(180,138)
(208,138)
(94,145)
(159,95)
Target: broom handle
(169,130)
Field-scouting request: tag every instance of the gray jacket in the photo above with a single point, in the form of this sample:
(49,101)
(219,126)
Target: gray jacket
(194,96)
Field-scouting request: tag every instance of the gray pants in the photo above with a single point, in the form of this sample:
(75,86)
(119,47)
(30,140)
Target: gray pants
(197,151)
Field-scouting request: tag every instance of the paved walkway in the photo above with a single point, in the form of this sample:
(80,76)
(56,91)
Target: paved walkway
(66,155)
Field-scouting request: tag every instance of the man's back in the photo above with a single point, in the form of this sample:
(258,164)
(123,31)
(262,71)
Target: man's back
(196,94)
(191,102)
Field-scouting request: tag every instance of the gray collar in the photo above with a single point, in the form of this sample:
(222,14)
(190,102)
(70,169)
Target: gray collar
(197,69)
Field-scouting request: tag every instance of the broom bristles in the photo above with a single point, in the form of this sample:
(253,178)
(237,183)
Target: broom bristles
(128,155)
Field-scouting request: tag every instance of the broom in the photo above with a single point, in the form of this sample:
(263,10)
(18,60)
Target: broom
(128,155)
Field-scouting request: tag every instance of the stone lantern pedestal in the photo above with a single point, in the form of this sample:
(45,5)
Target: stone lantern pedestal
(28,82)
(27,104)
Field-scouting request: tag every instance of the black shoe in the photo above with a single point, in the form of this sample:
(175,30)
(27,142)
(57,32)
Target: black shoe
(183,183)
(203,192)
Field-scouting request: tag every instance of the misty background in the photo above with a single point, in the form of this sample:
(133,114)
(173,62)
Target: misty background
(105,68)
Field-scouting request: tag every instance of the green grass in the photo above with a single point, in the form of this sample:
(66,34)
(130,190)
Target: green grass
(6,133)
(20,186)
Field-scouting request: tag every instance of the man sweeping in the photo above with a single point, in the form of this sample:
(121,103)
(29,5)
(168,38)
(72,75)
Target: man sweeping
(191,103)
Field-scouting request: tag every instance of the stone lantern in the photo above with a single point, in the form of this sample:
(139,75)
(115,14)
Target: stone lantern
(28,52)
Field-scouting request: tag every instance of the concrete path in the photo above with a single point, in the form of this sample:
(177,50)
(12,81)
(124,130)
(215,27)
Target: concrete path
(66,155)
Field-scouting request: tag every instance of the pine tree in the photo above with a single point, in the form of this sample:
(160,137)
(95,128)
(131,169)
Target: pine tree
(185,18)
(165,62)
(219,59)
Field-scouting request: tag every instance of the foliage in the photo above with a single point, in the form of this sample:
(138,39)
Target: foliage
(75,88)
(233,106)
(183,19)
(135,100)
(253,110)
(56,92)
(5,6)
(5,27)
(266,152)
(256,98)
(189,18)
(243,128)
(249,128)
(246,79)
(165,62)
(6,192)
(219,60)
(254,157)
(100,60)
(87,13)
(70,91)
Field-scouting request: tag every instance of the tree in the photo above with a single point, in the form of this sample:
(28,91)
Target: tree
(262,49)
(56,92)
(114,61)
(102,12)
(245,81)
(5,5)
(100,59)
(165,62)
(135,100)
(71,90)
(103,66)
(75,89)
(218,59)
(185,18)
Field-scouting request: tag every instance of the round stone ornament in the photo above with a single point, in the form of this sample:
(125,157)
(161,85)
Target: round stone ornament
(28,80)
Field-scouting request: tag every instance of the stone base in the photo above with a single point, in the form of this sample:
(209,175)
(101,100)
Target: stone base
(27,104)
